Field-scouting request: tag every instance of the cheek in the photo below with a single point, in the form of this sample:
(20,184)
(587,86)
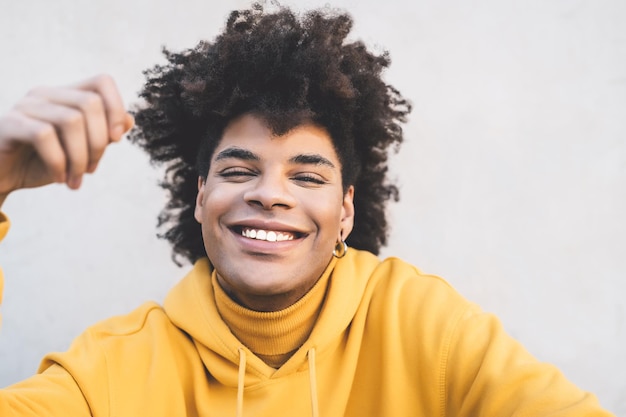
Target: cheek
(220,197)
(217,202)
(326,213)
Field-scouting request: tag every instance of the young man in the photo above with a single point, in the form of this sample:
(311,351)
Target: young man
(275,139)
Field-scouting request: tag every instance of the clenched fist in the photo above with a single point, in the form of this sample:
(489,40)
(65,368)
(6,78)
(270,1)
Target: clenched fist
(57,134)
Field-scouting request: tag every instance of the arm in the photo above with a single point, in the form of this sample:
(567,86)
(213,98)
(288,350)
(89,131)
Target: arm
(55,134)
(490,373)
(51,393)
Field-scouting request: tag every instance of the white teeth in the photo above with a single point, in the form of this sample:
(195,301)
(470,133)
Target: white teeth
(268,235)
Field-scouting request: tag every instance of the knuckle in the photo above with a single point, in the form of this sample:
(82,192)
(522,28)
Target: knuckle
(13,116)
(56,163)
(72,119)
(90,102)
(25,103)
(103,80)
(36,91)
(12,123)
(44,132)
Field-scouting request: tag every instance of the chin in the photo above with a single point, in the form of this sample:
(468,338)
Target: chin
(269,286)
(255,283)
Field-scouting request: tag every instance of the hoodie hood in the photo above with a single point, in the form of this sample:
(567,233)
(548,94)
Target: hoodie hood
(191,307)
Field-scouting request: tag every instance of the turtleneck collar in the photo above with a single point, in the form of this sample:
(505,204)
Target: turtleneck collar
(273,336)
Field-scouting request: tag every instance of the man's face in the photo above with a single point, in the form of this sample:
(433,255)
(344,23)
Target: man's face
(271,210)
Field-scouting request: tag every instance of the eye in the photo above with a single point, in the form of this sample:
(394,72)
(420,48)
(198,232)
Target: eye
(309,179)
(236,174)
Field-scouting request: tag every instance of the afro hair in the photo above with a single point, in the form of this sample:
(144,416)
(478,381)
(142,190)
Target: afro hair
(287,69)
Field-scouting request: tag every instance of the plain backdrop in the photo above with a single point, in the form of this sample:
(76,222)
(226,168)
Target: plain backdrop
(513,173)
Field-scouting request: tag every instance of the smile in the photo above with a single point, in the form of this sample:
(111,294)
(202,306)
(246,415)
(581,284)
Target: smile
(267,235)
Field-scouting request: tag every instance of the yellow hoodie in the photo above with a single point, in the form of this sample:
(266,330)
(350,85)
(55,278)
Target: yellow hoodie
(388,341)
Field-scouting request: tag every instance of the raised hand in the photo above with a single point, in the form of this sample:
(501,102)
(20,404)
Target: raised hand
(57,134)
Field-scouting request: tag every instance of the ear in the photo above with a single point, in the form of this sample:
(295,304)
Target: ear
(347,213)
(197,213)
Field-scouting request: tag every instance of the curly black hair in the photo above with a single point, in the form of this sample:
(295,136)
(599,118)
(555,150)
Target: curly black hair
(287,69)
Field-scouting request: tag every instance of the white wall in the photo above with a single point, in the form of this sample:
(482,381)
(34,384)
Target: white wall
(513,175)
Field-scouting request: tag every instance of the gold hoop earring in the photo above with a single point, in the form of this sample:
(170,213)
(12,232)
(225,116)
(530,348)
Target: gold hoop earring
(340,249)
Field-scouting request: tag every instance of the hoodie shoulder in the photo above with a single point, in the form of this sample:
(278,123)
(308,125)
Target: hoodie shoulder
(149,313)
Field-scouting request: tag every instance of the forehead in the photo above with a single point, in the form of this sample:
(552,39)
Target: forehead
(252,133)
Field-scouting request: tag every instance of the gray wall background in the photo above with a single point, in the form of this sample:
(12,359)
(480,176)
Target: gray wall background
(513,174)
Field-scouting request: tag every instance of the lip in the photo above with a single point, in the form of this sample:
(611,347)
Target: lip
(263,247)
(267,225)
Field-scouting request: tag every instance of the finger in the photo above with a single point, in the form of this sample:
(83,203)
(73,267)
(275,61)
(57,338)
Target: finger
(41,136)
(105,86)
(92,107)
(70,126)
(129,122)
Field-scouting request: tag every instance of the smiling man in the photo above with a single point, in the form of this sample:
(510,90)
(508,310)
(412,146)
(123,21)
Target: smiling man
(270,208)
(275,138)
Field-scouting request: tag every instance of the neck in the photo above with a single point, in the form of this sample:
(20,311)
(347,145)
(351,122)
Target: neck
(264,303)
(273,336)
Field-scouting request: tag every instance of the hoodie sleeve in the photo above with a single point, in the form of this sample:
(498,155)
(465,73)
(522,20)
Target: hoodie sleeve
(50,393)
(4,228)
(488,373)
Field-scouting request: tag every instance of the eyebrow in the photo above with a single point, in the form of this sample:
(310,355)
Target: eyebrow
(246,155)
(237,153)
(311,159)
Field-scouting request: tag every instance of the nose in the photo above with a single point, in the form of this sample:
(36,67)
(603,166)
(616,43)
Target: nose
(269,191)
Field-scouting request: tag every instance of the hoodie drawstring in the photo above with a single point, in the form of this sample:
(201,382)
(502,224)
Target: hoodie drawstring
(240,381)
(313,383)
